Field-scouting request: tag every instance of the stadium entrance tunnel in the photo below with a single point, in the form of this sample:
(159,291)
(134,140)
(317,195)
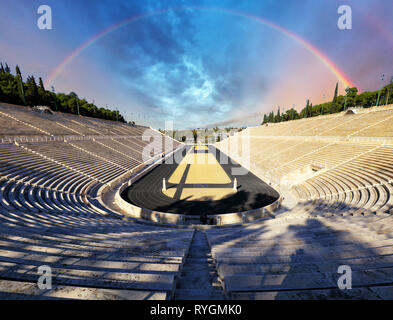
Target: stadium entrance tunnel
(195,185)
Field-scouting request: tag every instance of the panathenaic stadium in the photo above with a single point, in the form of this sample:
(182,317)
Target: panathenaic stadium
(118,211)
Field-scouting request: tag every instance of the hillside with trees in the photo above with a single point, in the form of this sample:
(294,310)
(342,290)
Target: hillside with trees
(339,103)
(14,90)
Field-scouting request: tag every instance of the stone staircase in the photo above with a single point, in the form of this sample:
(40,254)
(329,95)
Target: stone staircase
(198,280)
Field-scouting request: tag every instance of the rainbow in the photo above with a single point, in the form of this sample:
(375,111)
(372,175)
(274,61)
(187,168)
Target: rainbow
(340,75)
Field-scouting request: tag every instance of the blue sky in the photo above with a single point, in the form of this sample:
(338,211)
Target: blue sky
(197,66)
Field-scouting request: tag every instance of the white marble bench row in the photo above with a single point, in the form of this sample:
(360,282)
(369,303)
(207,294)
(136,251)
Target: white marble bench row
(90,250)
(281,256)
(17,290)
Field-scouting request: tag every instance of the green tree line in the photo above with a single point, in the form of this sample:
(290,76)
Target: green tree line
(14,90)
(339,103)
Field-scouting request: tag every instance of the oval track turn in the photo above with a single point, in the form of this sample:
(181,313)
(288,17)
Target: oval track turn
(252,192)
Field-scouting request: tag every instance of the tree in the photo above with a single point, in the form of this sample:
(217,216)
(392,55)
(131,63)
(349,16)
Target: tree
(17,71)
(15,91)
(42,93)
(183,138)
(54,98)
(20,83)
(367,98)
(291,114)
(218,138)
(335,93)
(305,113)
(350,97)
(74,95)
(270,117)
(277,118)
(32,96)
(352,92)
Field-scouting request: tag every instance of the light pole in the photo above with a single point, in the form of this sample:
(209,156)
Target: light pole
(379,93)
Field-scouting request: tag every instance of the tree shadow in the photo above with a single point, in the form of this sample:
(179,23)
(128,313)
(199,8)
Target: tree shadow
(299,258)
(86,251)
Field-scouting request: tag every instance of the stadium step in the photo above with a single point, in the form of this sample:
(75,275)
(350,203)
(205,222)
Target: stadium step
(19,290)
(199,278)
(304,281)
(198,294)
(324,294)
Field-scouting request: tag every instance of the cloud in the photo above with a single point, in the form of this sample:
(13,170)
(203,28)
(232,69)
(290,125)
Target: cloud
(236,120)
(198,66)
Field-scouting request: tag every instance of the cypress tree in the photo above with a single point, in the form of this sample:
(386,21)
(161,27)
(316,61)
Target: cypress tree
(42,92)
(42,84)
(17,70)
(307,107)
(335,93)
(20,83)
(32,94)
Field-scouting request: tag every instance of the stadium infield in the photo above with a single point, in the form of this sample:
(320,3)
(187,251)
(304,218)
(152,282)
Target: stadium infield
(198,184)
